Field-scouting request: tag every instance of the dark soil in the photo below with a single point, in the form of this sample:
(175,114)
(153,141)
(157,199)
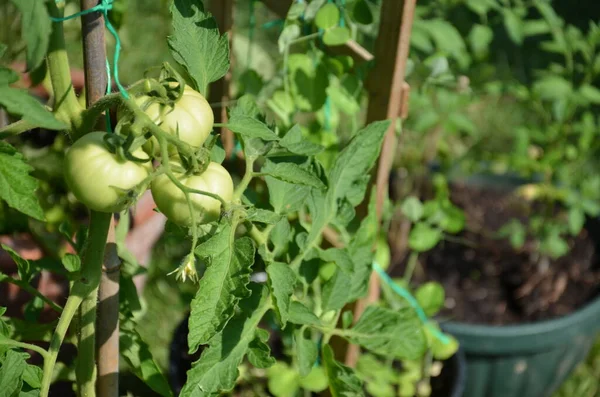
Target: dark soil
(488,282)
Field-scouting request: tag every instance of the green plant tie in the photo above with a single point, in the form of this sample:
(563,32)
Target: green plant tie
(273,23)
(412,301)
(104,6)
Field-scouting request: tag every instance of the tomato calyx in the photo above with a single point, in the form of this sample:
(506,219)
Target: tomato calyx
(167,89)
(123,147)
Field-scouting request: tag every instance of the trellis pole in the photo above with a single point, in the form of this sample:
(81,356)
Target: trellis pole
(386,101)
(100,332)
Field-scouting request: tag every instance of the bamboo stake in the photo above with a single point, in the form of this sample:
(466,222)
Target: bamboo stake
(107,332)
(386,102)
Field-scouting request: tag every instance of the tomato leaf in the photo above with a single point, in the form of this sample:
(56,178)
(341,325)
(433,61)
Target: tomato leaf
(480,38)
(222,286)
(356,159)
(292,173)
(196,43)
(306,353)
(71,262)
(412,208)
(361,250)
(343,381)
(313,8)
(289,34)
(8,76)
(36,28)
(33,309)
(297,144)
(590,93)
(249,127)
(576,220)
(337,291)
(285,197)
(423,237)
(301,315)
(362,13)
(431,297)
(32,376)
(392,333)
(283,380)
(328,16)
(308,82)
(339,256)
(217,369)
(20,103)
(296,11)
(262,216)
(282,281)
(513,25)
(336,36)
(11,372)
(259,352)
(23,266)
(137,354)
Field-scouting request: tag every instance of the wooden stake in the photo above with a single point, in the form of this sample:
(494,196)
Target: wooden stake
(385,102)
(106,338)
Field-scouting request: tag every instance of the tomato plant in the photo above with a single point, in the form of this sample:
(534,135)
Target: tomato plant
(290,197)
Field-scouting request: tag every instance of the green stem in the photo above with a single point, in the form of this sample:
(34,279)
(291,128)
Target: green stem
(260,236)
(248,175)
(138,113)
(28,288)
(85,370)
(23,345)
(16,128)
(91,271)
(66,105)
(413,259)
(164,152)
(90,115)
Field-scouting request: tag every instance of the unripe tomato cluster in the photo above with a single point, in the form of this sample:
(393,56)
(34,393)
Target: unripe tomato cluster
(107,182)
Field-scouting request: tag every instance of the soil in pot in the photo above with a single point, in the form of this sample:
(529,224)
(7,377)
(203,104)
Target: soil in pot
(489,282)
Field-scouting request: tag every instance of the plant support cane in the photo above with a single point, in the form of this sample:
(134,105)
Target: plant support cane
(106,327)
(393,107)
(91,270)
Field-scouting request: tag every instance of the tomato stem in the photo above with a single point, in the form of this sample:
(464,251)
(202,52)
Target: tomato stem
(248,175)
(23,345)
(67,107)
(91,271)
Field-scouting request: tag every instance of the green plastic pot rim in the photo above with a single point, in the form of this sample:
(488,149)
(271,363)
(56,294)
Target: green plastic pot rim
(532,336)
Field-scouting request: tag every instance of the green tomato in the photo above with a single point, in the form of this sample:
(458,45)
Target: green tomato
(172,202)
(190,119)
(100,179)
